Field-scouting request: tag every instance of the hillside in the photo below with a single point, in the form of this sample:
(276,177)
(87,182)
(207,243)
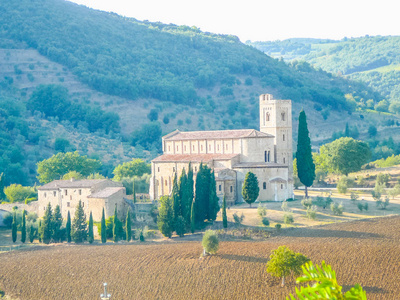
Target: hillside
(114,75)
(364,252)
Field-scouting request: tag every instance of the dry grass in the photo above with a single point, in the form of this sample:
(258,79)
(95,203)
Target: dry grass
(364,252)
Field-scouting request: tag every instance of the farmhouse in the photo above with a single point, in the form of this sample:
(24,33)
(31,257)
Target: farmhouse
(232,153)
(95,195)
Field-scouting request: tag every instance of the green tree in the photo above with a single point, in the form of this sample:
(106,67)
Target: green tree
(32,233)
(14,227)
(52,100)
(305,163)
(284,262)
(68,228)
(165,221)
(62,163)
(224,217)
(103,228)
(19,193)
(116,226)
(184,196)
(325,285)
(180,226)
(210,242)
(47,225)
(23,227)
(213,205)
(345,155)
(128,226)
(134,191)
(175,197)
(90,235)
(57,221)
(73,175)
(40,231)
(190,193)
(136,167)
(79,225)
(192,218)
(250,188)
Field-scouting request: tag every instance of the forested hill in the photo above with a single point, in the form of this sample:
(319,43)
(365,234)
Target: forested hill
(125,57)
(374,60)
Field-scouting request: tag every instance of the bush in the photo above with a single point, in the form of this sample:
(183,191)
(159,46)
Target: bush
(288,218)
(306,202)
(238,220)
(382,204)
(353,197)
(210,242)
(337,209)
(261,210)
(362,206)
(278,226)
(180,226)
(265,221)
(312,212)
(285,207)
(344,183)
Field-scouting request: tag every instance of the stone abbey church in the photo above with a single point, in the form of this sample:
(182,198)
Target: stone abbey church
(232,153)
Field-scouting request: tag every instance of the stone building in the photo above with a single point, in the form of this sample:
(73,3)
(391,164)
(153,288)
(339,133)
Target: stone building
(232,153)
(95,195)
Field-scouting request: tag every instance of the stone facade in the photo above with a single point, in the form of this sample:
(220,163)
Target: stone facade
(232,153)
(95,195)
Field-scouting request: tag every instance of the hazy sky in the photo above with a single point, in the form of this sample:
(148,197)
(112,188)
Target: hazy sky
(264,19)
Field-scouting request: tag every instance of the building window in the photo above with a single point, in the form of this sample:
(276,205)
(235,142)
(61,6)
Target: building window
(283,137)
(184,147)
(264,185)
(55,193)
(281,186)
(201,147)
(226,146)
(66,192)
(218,147)
(193,147)
(283,116)
(68,204)
(267,156)
(45,195)
(267,117)
(195,169)
(284,160)
(173,169)
(219,188)
(231,189)
(80,192)
(209,147)
(158,169)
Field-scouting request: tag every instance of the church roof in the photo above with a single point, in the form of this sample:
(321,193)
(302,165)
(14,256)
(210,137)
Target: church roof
(205,157)
(85,183)
(215,134)
(106,192)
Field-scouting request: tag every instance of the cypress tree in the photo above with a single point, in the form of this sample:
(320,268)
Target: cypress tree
(47,225)
(103,228)
(190,192)
(347,130)
(128,226)
(14,227)
(32,233)
(250,188)
(68,228)
(184,197)
(176,199)
(224,217)
(305,163)
(91,236)
(116,226)
(40,230)
(192,219)
(57,220)
(23,228)
(165,221)
(79,225)
(202,194)
(213,205)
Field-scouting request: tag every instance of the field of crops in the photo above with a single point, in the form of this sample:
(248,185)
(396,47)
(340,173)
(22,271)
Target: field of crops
(365,252)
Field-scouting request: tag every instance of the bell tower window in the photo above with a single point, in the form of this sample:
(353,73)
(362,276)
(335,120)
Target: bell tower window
(283,116)
(267,117)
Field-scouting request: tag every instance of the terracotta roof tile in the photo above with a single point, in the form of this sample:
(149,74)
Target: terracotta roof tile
(217,134)
(193,157)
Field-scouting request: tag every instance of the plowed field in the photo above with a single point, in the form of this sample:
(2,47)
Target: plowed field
(365,252)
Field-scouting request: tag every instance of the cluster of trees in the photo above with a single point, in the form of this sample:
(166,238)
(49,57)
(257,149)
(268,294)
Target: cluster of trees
(53,101)
(184,210)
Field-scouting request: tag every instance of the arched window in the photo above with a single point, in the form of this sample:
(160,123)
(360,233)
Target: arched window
(231,189)
(284,160)
(269,154)
(265,156)
(219,188)
(264,185)
(267,117)
(283,116)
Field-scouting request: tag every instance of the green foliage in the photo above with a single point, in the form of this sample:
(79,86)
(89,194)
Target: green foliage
(344,183)
(312,212)
(325,285)
(79,225)
(90,229)
(345,155)
(305,164)
(382,204)
(68,228)
(192,218)
(136,167)
(62,145)
(73,175)
(265,221)
(261,210)
(388,162)
(362,206)
(180,226)
(250,190)
(224,216)
(383,179)
(337,209)
(278,226)
(103,229)
(307,203)
(57,221)
(238,219)
(117,228)
(19,193)
(14,227)
(210,242)
(284,262)
(165,221)
(47,225)
(288,218)
(353,197)
(32,233)
(285,206)
(128,226)
(148,136)
(394,191)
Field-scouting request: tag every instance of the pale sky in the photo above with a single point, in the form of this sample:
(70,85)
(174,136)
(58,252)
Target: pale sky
(265,20)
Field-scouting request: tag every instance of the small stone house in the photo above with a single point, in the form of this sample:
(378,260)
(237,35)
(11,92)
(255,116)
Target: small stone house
(95,195)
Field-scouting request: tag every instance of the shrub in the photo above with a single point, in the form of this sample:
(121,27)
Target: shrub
(306,202)
(285,207)
(312,212)
(319,201)
(265,221)
(344,183)
(278,226)
(353,197)
(261,210)
(180,226)
(210,242)
(382,179)
(238,220)
(337,209)
(360,206)
(288,218)
(382,204)
(2,294)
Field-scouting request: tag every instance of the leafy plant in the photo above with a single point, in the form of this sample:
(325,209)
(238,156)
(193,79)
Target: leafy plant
(337,209)
(325,285)
(288,218)
(312,212)
(306,202)
(210,242)
(261,210)
(238,220)
(265,221)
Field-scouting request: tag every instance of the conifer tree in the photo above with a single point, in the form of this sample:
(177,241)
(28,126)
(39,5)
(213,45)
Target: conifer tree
(305,163)
(40,231)
(116,226)
(165,221)
(250,188)
(68,228)
(47,225)
(176,203)
(79,225)
(23,228)
(184,197)
(128,226)
(57,220)
(14,227)
(91,235)
(32,233)
(202,194)
(192,219)
(224,217)
(103,228)
(190,192)
(213,205)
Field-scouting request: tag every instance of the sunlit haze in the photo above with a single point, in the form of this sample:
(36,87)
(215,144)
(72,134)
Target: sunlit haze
(266,20)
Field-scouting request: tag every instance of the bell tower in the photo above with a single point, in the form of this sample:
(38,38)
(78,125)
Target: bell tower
(276,119)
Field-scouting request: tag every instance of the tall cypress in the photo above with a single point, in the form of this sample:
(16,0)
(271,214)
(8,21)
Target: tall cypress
(184,197)
(190,191)
(176,203)
(116,226)
(128,226)
(14,227)
(224,217)
(165,220)
(32,233)
(57,220)
(23,228)
(103,228)
(305,163)
(40,230)
(192,218)
(201,197)
(68,228)
(213,205)
(91,235)
(79,225)
(47,225)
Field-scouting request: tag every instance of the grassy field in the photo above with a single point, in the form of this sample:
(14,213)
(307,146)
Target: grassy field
(364,251)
